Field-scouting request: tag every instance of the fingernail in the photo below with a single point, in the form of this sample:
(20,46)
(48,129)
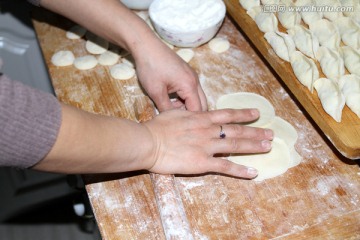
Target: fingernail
(266,144)
(269,133)
(254,112)
(252,171)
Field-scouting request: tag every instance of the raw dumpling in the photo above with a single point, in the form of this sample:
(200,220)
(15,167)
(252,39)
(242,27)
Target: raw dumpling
(266,21)
(270,2)
(282,44)
(349,31)
(331,15)
(326,32)
(309,16)
(246,4)
(351,59)
(304,40)
(355,4)
(331,97)
(350,87)
(332,64)
(304,69)
(288,19)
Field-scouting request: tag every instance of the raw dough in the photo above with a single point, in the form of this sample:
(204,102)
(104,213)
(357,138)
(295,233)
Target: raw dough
(219,44)
(96,45)
(309,16)
(326,32)
(331,15)
(351,59)
(331,97)
(304,69)
(350,87)
(266,22)
(281,43)
(186,54)
(288,19)
(332,64)
(109,57)
(349,31)
(85,62)
(246,4)
(75,32)
(304,40)
(283,154)
(248,100)
(63,58)
(122,71)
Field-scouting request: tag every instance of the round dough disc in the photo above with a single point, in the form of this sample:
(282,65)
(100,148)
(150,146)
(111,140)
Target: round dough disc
(219,44)
(95,44)
(75,32)
(63,58)
(249,100)
(122,71)
(85,62)
(109,57)
(186,54)
(284,130)
(271,164)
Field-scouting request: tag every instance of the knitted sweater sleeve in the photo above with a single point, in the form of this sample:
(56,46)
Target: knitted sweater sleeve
(29,123)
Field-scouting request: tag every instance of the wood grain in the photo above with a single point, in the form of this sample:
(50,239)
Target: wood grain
(319,199)
(344,135)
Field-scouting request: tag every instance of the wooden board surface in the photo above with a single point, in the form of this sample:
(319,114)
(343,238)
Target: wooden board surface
(319,199)
(345,135)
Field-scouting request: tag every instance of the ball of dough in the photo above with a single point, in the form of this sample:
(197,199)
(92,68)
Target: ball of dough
(122,71)
(186,54)
(219,44)
(85,62)
(109,57)
(63,58)
(75,32)
(96,45)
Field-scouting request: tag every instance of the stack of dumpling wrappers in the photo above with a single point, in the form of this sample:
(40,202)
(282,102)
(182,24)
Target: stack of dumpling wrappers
(331,38)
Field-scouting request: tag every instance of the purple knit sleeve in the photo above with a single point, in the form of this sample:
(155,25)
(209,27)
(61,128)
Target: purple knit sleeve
(29,123)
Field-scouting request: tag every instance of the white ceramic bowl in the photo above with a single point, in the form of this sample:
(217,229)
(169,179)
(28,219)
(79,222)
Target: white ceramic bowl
(184,37)
(137,4)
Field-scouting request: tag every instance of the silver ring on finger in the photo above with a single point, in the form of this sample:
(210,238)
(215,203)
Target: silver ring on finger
(222,134)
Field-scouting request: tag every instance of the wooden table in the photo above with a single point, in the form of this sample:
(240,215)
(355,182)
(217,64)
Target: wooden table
(319,199)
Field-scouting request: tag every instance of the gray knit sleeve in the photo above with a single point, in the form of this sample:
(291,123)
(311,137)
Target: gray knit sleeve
(29,123)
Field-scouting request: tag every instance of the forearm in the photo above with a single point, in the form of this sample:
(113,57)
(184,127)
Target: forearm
(109,19)
(89,143)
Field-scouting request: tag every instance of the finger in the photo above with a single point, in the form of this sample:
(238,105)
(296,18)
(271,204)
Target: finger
(229,168)
(241,131)
(192,101)
(224,116)
(239,145)
(162,100)
(203,99)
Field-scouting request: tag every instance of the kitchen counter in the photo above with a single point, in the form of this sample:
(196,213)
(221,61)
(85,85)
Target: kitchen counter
(318,199)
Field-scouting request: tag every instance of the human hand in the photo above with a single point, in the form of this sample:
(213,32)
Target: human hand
(161,72)
(185,142)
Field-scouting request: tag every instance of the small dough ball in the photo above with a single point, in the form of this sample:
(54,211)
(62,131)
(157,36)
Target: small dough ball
(109,57)
(186,54)
(75,32)
(85,62)
(122,71)
(96,45)
(63,58)
(129,60)
(219,44)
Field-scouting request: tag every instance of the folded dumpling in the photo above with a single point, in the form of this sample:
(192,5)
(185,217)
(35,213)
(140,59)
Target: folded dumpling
(351,59)
(331,97)
(288,19)
(309,16)
(331,15)
(281,43)
(304,69)
(246,4)
(326,32)
(304,40)
(349,31)
(266,21)
(331,62)
(350,87)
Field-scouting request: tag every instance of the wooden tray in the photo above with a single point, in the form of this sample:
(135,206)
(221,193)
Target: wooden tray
(345,135)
